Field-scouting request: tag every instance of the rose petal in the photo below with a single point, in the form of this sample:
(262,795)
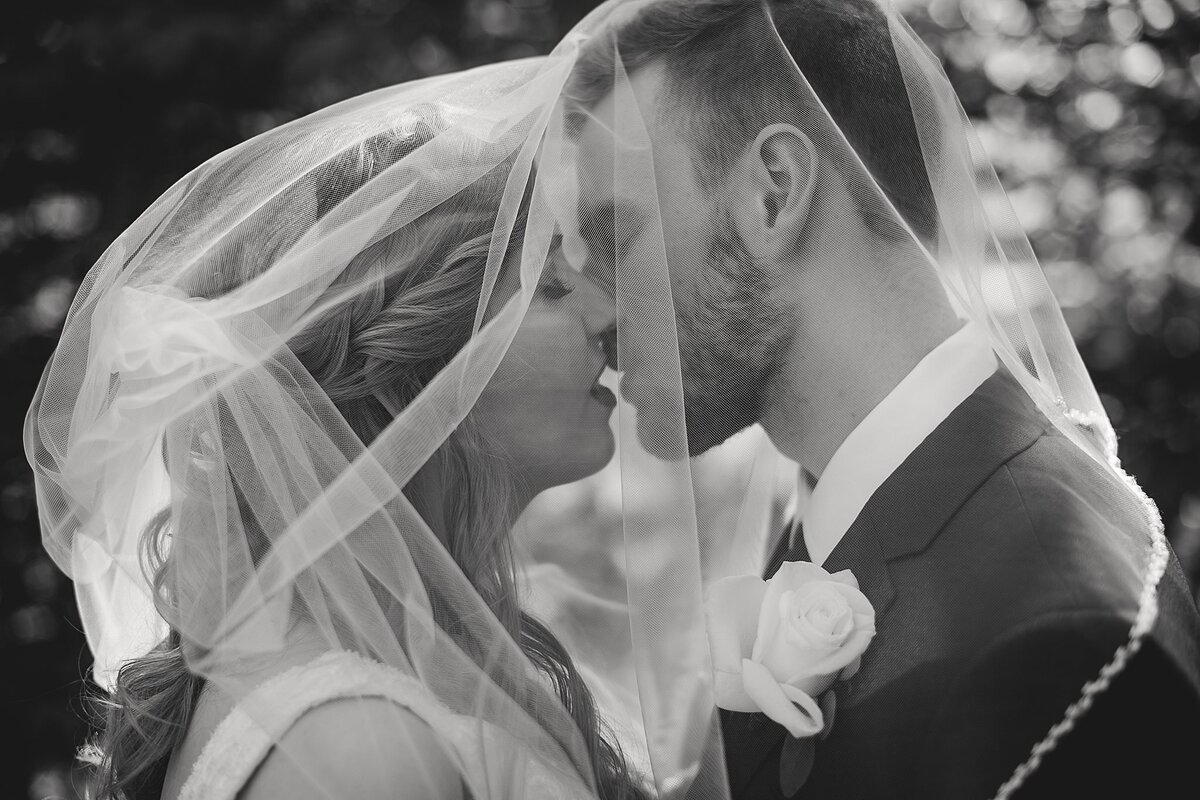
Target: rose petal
(791,574)
(790,707)
(798,573)
(860,603)
(768,624)
(828,705)
(833,661)
(808,706)
(730,692)
(732,607)
(845,576)
(851,669)
(813,685)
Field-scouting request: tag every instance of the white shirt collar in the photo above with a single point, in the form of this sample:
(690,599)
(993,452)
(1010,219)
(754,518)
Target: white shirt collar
(940,382)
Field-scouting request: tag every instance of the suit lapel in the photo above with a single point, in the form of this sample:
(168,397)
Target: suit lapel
(860,552)
(914,504)
(901,519)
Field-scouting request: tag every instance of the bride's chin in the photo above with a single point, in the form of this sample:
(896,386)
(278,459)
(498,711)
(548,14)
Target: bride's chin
(590,453)
(597,451)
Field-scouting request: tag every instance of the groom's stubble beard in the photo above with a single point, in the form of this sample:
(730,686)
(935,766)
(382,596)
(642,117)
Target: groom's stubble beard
(733,339)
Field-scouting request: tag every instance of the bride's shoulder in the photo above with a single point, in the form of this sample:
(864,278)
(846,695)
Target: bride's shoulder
(357,747)
(337,725)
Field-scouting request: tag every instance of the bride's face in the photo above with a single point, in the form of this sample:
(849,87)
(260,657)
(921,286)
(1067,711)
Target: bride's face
(544,409)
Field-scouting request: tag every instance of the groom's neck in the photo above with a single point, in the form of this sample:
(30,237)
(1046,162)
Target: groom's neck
(840,366)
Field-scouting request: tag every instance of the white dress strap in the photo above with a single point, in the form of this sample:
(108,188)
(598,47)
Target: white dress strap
(243,739)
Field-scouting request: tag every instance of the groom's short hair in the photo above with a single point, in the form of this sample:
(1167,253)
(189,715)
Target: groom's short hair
(724,85)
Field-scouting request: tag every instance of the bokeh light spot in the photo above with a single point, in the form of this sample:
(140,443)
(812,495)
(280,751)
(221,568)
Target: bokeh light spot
(1142,64)
(1126,25)
(1073,283)
(1158,14)
(64,216)
(1124,211)
(1007,69)
(49,305)
(1101,110)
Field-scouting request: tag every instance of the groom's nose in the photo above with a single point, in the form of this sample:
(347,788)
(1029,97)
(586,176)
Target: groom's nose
(599,309)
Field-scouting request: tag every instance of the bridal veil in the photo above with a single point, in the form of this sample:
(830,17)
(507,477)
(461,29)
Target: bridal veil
(198,469)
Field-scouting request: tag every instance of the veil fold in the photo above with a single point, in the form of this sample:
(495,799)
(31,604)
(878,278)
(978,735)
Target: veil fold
(290,411)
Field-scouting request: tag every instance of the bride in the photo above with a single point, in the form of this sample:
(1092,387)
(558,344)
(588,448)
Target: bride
(348,353)
(541,421)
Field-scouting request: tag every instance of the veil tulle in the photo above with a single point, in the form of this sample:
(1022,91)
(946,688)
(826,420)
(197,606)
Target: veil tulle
(197,472)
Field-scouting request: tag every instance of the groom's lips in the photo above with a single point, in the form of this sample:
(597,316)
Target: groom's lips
(624,386)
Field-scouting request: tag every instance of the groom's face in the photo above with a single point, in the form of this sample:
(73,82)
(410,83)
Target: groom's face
(685,286)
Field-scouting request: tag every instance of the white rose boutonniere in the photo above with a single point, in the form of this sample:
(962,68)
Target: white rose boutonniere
(778,645)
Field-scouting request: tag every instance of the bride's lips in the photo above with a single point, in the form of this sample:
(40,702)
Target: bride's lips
(604,395)
(601,392)
(608,345)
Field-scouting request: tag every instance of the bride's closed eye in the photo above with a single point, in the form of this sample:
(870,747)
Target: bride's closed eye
(556,287)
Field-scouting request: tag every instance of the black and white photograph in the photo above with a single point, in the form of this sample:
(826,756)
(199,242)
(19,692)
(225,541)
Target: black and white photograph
(622,399)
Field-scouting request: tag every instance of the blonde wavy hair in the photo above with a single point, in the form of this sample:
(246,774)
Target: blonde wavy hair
(374,351)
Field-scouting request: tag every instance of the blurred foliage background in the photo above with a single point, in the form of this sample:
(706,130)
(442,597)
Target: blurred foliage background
(1089,108)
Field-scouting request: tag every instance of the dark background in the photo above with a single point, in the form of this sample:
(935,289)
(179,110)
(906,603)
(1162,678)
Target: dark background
(1090,110)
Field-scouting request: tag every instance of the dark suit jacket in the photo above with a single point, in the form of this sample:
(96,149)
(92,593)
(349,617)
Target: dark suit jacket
(1005,567)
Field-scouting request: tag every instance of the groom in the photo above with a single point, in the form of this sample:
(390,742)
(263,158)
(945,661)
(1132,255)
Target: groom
(1003,564)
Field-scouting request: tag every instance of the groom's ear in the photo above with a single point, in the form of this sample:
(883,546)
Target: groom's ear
(778,177)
